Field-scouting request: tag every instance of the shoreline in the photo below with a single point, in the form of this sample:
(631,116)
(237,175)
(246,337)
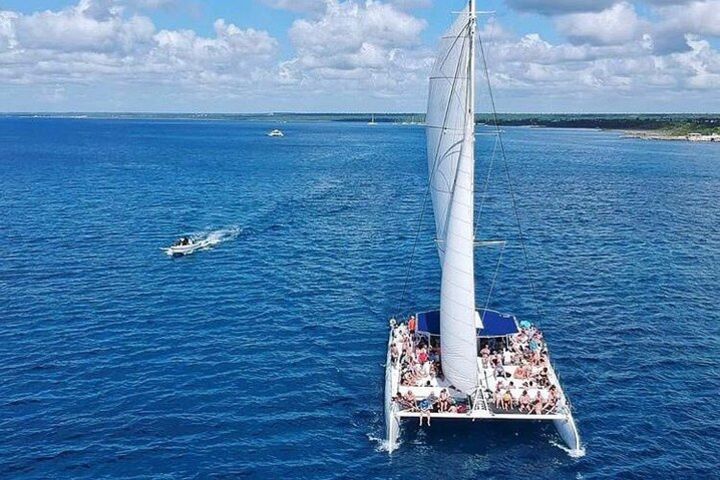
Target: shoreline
(659,135)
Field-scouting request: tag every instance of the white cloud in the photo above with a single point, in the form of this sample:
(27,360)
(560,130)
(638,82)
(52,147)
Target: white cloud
(359,45)
(616,25)
(698,17)
(353,55)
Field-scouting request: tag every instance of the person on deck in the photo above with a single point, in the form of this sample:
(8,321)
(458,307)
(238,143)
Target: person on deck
(524,402)
(412,324)
(507,400)
(444,401)
(425,407)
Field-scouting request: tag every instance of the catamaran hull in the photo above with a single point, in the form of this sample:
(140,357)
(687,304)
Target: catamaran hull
(392,420)
(569,433)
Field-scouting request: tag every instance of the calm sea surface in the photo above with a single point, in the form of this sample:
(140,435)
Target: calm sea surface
(263,357)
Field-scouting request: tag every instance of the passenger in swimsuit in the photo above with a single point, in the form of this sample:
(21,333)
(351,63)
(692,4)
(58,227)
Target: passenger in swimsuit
(485,355)
(520,373)
(499,372)
(507,400)
(543,378)
(497,396)
(444,401)
(538,407)
(524,402)
(410,400)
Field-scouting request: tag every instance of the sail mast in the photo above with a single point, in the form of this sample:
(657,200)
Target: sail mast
(471,71)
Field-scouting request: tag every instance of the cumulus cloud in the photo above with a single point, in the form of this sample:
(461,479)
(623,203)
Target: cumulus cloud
(616,25)
(96,41)
(343,54)
(371,44)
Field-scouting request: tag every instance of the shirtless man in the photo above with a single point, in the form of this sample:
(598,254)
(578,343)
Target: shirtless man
(524,402)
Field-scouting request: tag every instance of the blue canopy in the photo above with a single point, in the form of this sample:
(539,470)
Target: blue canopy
(495,324)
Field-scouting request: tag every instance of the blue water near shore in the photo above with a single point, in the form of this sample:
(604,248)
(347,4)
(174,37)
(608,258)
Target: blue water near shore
(262,358)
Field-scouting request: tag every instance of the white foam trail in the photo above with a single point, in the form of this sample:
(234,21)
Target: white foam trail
(574,453)
(382,444)
(216,237)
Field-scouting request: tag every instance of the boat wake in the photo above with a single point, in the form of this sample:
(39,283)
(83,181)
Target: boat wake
(217,237)
(574,453)
(205,240)
(381,444)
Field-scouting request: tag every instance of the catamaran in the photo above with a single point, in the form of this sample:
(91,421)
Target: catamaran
(461,362)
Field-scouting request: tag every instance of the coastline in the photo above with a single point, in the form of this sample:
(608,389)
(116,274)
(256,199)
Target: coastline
(671,137)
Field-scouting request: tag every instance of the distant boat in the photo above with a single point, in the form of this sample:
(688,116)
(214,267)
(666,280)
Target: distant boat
(372,120)
(186,246)
(276,133)
(439,364)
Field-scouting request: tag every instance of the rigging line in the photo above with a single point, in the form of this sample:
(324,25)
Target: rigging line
(492,285)
(508,178)
(483,197)
(432,171)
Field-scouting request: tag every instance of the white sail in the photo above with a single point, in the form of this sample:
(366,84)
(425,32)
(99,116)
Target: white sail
(450,144)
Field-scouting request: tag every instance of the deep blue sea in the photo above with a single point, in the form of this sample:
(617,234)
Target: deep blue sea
(263,357)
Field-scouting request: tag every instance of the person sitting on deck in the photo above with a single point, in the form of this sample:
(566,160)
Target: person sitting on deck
(497,396)
(422,355)
(394,353)
(485,355)
(499,372)
(524,402)
(539,398)
(444,403)
(550,404)
(507,357)
(409,401)
(543,378)
(507,400)
(521,373)
(425,407)
(538,407)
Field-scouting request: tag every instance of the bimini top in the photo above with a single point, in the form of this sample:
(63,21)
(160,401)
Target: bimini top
(495,324)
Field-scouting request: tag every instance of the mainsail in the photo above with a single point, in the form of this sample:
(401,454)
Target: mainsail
(451,158)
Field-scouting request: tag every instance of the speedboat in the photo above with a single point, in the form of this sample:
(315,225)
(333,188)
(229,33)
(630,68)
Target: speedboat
(276,133)
(186,246)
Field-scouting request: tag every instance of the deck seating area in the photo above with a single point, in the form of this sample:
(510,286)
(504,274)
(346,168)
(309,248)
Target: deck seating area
(515,374)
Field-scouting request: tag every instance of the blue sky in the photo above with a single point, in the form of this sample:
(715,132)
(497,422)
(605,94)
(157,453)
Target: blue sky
(352,55)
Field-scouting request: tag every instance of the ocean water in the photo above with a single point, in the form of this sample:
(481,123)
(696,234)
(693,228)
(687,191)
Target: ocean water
(263,356)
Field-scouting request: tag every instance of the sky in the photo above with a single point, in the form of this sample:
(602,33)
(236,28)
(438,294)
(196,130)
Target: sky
(256,56)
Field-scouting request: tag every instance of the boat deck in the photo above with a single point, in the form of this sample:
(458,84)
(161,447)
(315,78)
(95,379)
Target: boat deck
(493,382)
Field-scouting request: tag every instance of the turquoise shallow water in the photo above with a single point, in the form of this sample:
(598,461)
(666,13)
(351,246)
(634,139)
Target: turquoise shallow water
(262,358)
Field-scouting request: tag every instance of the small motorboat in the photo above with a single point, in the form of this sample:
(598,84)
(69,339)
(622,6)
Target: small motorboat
(276,133)
(186,246)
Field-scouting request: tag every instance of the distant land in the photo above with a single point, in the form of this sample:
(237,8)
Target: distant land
(671,126)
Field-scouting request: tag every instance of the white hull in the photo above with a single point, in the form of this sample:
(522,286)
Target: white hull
(562,418)
(392,419)
(180,250)
(568,432)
